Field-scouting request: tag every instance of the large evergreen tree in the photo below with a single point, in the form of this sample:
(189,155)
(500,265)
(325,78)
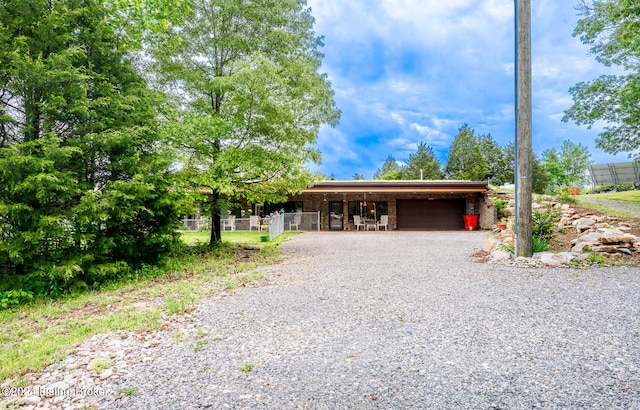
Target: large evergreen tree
(466,160)
(84,191)
(422,164)
(249,96)
(499,163)
(389,171)
(612,29)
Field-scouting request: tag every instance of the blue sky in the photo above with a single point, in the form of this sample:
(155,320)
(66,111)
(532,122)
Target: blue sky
(406,71)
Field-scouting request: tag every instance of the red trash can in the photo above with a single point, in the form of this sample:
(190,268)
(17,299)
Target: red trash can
(470,222)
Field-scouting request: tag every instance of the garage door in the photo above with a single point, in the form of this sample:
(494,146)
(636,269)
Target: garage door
(439,214)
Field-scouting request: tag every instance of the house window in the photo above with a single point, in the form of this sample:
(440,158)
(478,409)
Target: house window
(368,209)
(289,207)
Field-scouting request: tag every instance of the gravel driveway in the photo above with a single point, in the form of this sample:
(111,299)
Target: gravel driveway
(404,320)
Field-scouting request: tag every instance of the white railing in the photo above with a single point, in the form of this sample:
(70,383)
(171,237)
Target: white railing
(193,225)
(292,221)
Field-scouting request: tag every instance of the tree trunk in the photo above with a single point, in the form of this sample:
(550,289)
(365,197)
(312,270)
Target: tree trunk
(216,234)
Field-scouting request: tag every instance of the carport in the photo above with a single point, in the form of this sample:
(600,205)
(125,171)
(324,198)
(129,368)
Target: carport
(411,205)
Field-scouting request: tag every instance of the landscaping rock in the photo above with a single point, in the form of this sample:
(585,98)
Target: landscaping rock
(555,259)
(490,245)
(616,236)
(584,224)
(499,255)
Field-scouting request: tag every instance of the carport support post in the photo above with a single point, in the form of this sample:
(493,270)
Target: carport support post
(523,232)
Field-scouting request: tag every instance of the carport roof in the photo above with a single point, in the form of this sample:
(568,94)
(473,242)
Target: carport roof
(398,186)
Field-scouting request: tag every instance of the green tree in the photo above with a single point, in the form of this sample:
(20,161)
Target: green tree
(389,171)
(466,160)
(568,167)
(540,180)
(423,164)
(510,163)
(612,29)
(250,99)
(498,160)
(84,188)
(539,177)
(358,177)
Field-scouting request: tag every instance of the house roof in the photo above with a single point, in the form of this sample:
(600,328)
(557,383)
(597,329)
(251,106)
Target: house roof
(398,186)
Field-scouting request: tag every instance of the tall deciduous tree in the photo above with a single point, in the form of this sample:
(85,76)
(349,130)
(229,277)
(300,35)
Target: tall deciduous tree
(466,160)
(422,164)
(568,167)
(250,97)
(84,191)
(612,29)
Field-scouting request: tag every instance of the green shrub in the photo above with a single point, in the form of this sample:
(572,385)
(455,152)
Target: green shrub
(540,245)
(508,248)
(563,195)
(544,221)
(13,298)
(500,205)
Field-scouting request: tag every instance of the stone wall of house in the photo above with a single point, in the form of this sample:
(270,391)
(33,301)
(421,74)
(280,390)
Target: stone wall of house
(313,202)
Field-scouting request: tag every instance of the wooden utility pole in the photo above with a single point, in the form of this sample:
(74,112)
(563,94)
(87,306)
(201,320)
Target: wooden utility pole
(524,244)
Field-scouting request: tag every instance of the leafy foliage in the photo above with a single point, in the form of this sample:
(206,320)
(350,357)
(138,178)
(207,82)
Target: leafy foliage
(612,29)
(500,205)
(423,164)
(389,171)
(14,297)
(249,100)
(499,160)
(539,244)
(567,168)
(543,221)
(466,159)
(85,194)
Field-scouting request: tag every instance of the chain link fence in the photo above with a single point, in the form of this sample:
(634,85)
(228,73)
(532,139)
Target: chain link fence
(291,221)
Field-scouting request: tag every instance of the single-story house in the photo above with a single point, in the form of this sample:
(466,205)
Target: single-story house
(410,205)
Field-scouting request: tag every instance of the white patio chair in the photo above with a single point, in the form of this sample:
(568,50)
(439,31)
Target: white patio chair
(384,221)
(229,222)
(254,222)
(358,222)
(297,218)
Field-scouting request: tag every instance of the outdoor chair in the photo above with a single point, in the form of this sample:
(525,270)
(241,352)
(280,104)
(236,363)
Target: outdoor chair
(295,222)
(254,222)
(384,221)
(358,222)
(230,223)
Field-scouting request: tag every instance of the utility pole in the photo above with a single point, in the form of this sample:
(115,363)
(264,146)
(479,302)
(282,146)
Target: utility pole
(523,234)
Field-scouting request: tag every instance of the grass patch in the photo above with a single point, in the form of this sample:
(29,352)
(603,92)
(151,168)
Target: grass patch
(247,368)
(626,196)
(202,237)
(99,365)
(38,334)
(607,210)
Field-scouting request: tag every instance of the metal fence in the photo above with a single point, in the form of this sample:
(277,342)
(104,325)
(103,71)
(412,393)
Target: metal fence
(292,221)
(276,226)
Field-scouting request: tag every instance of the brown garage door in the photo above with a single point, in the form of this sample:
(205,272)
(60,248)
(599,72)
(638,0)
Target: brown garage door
(439,214)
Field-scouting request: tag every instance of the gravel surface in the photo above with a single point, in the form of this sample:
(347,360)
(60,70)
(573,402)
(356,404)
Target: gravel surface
(403,320)
(632,207)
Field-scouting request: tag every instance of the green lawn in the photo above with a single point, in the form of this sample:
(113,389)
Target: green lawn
(232,237)
(628,196)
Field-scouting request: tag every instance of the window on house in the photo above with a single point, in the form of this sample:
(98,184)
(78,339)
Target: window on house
(368,209)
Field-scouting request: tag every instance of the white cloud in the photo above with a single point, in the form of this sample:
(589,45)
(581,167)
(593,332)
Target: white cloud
(406,71)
